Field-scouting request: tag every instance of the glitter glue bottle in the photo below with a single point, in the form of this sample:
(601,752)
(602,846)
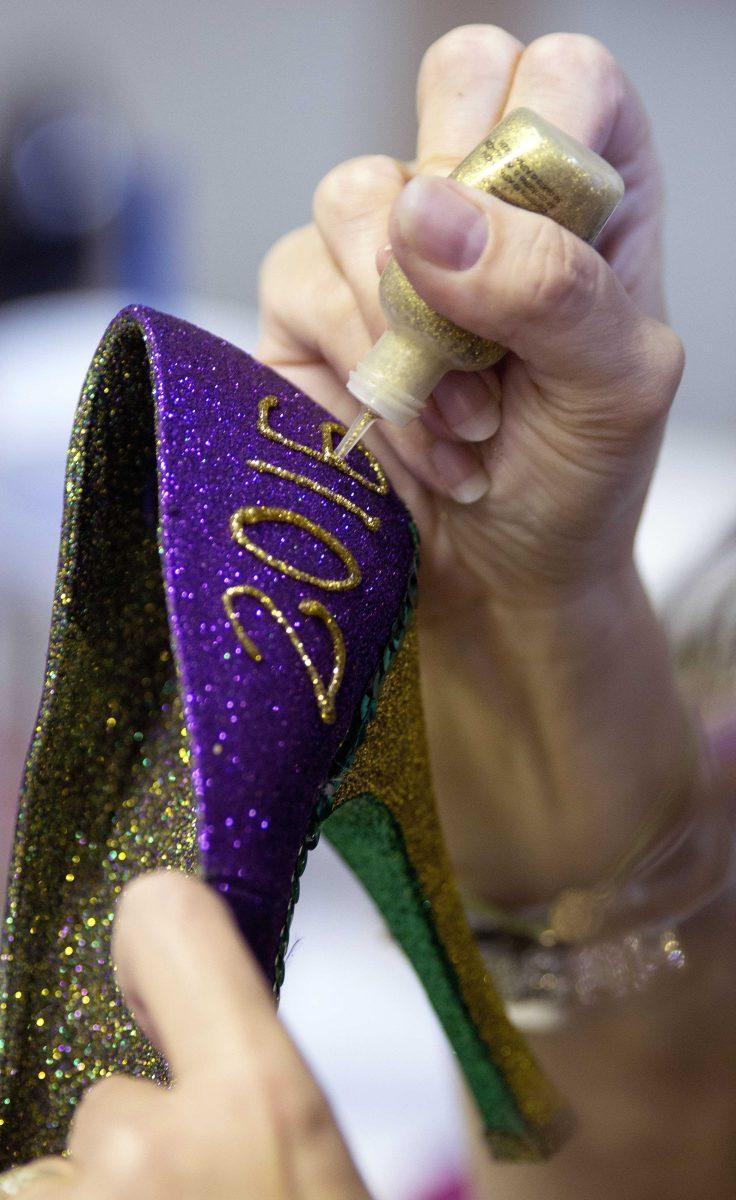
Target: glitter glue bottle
(530,163)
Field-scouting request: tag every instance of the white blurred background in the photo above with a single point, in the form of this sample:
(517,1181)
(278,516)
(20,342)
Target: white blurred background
(153,152)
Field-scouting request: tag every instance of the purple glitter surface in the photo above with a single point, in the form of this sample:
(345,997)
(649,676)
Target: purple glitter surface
(260,749)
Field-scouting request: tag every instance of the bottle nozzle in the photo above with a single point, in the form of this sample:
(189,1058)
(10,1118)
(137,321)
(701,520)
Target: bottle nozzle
(360,425)
(393,381)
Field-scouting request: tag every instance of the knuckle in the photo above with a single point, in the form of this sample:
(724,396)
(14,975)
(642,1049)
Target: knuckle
(461,50)
(555,276)
(150,1162)
(340,312)
(656,362)
(295,256)
(93,1100)
(664,355)
(135,1144)
(565,58)
(355,187)
(280,254)
(297,274)
(105,1096)
(673,356)
(561,53)
(299,1111)
(126,1143)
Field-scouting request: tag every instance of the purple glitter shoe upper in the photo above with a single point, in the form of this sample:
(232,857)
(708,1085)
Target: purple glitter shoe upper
(261,746)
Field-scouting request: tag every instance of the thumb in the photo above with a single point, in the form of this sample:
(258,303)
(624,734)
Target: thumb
(50,1178)
(520,279)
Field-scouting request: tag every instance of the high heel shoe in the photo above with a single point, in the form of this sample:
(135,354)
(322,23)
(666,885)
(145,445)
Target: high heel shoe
(232,666)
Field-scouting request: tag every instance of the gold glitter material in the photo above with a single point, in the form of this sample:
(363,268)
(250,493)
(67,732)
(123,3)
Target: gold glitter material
(372,523)
(325,696)
(531,164)
(107,792)
(252,514)
(393,764)
(405,308)
(528,162)
(379,482)
(534,165)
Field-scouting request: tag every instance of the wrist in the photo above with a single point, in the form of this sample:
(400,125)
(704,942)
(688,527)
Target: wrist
(567,625)
(551,726)
(615,938)
(532,631)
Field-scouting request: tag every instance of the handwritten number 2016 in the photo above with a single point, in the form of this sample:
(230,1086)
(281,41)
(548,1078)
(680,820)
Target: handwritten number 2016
(244,518)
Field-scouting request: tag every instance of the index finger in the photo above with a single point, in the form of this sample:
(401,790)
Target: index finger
(190,979)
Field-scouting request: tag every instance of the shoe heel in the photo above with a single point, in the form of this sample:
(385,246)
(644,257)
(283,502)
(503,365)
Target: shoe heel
(385,825)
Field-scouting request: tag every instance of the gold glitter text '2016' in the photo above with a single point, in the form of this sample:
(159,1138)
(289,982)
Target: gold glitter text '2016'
(256,513)
(378,483)
(253,514)
(325,696)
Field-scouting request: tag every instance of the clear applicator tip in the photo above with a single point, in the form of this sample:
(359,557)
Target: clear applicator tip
(360,425)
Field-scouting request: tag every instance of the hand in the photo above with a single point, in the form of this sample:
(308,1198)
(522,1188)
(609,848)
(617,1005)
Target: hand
(244,1120)
(555,445)
(553,714)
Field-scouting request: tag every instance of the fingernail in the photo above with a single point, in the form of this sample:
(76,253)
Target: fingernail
(441,224)
(467,406)
(459,472)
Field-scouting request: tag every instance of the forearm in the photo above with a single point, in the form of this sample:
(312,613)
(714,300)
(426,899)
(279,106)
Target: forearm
(552,730)
(551,733)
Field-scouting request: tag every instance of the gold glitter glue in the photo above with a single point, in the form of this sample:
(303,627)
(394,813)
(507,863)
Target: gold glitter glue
(325,696)
(328,453)
(530,163)
(254,513)
(267,468)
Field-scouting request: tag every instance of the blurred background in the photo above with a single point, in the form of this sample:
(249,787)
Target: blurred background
(153,152)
